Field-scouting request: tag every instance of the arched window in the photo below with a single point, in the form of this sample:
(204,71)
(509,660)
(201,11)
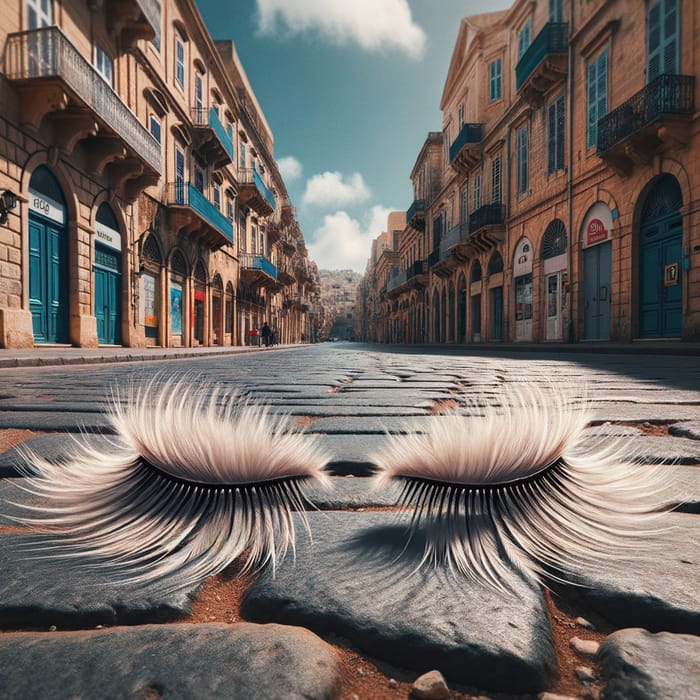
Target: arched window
(475,272)
(495,264)
(665,198)
(554,240)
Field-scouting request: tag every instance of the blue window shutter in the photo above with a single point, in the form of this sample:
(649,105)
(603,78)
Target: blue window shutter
(552,140)
(663,45)
(561,128)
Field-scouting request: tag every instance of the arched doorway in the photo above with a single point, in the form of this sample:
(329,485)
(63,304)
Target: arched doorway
(178,284)
(443,317)
(596,233)
(522,282)
(228,315)
(217,307)
(660,269)
(436,317)
(108,276)
(462,309)
(199,303)
(48,258)
(451,314)
(150,289)
(475,292)
(554,266)
(495,300)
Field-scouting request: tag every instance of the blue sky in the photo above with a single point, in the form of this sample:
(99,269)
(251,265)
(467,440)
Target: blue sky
(350,89)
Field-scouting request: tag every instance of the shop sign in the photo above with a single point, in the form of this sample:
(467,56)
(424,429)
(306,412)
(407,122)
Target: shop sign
(596,232)
(597,225)
(108,236)
(47,207)
(149,301)
(175,308)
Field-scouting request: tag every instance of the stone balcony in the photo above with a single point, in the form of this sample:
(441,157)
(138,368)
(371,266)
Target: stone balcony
(192,214)
(415,216)
(54,80)
(544,63)
(654,120)
(212,141)
(465,151)
(257,271)
(254,193)
(133,20)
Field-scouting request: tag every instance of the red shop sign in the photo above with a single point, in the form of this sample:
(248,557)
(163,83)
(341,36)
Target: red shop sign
(596,232)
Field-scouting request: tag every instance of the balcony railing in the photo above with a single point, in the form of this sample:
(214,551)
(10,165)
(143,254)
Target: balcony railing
(488,215)
(456,235)
(185,194)
(552,39)
(434,257)
(468,134)
(258,262)
(249,177)
(416,210)
(397,280)
(46,53)
(209,118)
(667,95)
(417,268)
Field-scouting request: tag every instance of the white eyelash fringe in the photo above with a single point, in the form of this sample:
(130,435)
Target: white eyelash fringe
(186,487)
(520,487)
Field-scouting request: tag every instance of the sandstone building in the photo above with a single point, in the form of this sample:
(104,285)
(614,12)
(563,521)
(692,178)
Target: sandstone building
(561,200)
(150,210)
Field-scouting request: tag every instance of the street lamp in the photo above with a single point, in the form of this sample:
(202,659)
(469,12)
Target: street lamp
(8,201)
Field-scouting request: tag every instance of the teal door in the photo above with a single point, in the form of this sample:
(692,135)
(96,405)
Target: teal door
(597,280)
(107,295)
(496,313)
(660,299)
(48,281)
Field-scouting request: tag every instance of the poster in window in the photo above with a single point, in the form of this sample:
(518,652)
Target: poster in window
(149,301)
(175,308)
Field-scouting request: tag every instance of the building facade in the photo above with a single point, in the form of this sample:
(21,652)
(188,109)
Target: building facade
(568,200)
(149,210)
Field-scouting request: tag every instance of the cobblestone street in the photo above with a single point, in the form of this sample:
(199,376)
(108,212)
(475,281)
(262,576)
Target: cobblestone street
(350,619)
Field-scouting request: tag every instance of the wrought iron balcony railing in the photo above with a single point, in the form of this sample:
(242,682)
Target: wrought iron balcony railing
(185,194)
(46,53)
(397,280)
(488,215)
(209,118)
(551,39)
(666,96)
(434,257)
(468,134)
(417,209)
(417,268)
(258,262)
(250,176)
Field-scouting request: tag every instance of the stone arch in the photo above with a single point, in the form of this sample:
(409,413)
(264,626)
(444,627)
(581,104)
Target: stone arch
(554,240)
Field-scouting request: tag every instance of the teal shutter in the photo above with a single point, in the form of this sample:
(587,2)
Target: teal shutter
(524,39)
(597,89)
(663,43)
(495,80)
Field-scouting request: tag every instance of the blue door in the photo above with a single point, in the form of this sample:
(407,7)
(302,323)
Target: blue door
(660,270)
(496,313)
(48,280)
(107,295)
(597,279)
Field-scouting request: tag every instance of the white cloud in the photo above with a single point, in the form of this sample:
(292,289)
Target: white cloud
(373,24)
(330,190)
(290,168)
(343,243)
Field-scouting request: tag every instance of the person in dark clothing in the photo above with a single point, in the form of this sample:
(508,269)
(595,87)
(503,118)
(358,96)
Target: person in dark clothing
(266,333)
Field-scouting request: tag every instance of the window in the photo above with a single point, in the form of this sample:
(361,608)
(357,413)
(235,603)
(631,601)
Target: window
(463,206)
(495,80)
(662,39)
(496,187)
(179,175)
(39,14)
(521,145)
(461,115)
(229,208)
(217,196)
(154,127)
(156,39)
(198,92)
(199,180)
(556,10)
(179,60)
(556,124)
(477,192)
(243,156)
(103,64)
(524,38)
(597,90)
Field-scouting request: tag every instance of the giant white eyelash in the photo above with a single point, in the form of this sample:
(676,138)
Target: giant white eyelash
(187,487)
(520,487)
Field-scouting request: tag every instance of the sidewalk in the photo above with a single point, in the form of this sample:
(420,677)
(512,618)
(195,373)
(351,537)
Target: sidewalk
(66,355)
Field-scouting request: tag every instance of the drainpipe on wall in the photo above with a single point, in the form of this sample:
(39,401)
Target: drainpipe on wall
(506,302)
(570,179)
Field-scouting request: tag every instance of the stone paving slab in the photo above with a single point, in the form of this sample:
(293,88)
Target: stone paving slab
(351,454)
(368,425)
(635,663)
(653,413)
(690,430)
(348,492)
(45,420)
(38,593)
(180,661)
(358,580)
(649,449)
(660,590)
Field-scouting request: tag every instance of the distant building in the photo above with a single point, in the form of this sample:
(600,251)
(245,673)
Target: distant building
(561,200)
(338,299)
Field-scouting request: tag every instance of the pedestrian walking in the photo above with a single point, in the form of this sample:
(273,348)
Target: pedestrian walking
(266,334)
